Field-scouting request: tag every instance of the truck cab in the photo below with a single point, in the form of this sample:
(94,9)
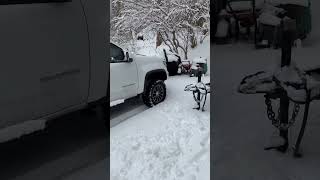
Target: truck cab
(132,75)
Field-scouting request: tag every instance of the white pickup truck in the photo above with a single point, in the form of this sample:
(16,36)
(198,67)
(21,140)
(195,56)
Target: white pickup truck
(133,74)
(53,61)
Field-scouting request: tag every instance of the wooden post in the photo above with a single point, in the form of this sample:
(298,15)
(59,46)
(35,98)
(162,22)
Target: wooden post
(288,34)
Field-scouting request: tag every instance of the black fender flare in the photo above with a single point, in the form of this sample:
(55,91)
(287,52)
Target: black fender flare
(157,74)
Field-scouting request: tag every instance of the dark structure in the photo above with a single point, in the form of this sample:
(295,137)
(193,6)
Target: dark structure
(215,8)
(253,84)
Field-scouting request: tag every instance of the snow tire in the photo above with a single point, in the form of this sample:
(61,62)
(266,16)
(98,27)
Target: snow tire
(155,93)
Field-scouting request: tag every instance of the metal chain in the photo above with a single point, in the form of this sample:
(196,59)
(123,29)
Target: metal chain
(276,121)
(295,112)
(271,114)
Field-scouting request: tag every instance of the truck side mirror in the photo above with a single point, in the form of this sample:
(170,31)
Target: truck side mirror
(128,58)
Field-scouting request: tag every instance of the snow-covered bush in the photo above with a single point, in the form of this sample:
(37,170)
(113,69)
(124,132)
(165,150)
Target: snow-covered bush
(179,24)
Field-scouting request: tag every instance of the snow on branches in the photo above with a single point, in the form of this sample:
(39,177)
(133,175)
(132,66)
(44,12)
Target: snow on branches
(179,23)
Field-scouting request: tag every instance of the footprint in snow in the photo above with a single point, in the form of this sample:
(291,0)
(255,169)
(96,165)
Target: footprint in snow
(136,147)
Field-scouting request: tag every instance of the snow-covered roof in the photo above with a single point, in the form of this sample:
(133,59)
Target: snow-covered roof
(172,57)
(199,60)
(271,9)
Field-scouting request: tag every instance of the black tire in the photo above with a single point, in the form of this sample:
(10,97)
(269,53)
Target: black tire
(155,93)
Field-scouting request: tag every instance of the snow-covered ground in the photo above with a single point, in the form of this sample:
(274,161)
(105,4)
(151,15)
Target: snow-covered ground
(169,141)
(241,128)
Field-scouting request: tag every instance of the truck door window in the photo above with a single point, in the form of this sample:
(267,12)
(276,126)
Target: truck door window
(116,53)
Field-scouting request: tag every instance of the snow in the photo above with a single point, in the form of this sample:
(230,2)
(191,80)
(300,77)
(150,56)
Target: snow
(257,83)
(170,141)
(114,103)
(194,67)
(289,74)
(199,60)
(299,95)
(148,48)
(263,82)
(202,50)
(269,19)
(172,57)
(271,9)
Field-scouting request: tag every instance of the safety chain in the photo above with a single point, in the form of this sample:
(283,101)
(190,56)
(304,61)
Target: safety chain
(276,121)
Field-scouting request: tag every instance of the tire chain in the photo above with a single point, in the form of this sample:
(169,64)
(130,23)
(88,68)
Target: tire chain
(276,121)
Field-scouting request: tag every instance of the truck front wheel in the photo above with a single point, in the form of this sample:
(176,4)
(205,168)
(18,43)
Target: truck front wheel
(155,93)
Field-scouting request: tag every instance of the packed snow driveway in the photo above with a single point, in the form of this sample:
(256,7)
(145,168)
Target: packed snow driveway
(168,141)
(124,111)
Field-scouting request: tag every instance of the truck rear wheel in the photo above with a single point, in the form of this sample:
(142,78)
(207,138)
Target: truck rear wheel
(155,93)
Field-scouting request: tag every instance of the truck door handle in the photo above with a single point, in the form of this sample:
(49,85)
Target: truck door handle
(11,2)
